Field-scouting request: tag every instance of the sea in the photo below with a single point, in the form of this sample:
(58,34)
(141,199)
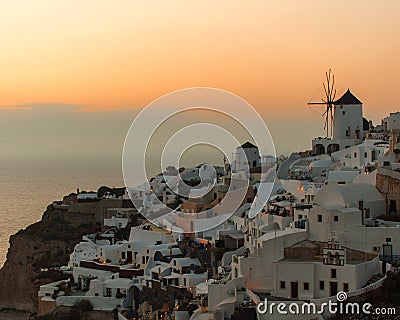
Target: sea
(26,191)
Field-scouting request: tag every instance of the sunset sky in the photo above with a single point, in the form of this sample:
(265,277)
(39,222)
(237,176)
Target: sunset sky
(75,73)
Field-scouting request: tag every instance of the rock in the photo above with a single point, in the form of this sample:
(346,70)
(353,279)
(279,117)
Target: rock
(45,244)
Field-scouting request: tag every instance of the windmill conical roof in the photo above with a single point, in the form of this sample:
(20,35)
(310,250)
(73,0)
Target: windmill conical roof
(347,98)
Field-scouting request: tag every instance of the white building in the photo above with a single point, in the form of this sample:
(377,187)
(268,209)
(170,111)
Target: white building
(348,118)
(85,250)
(179,272)
(87,196)
(361,196)
(247,156)
(362,156)
(392,121)
(347,126)
(301,275)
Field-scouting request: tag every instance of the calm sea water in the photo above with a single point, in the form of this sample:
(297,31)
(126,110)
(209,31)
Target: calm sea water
(25,193)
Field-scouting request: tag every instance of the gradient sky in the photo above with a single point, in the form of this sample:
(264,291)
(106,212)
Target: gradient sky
(66,58)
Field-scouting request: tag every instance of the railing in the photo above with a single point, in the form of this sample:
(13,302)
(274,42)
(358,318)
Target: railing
(389,258)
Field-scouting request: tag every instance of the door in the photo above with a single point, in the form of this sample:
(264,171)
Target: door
(294,290)
(392,208)
(333,288)
(129,256)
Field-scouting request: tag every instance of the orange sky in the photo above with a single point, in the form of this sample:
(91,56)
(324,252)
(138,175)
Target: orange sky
(124,54)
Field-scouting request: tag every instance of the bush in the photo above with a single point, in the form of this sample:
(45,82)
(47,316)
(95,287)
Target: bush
(73,314)
(84,305)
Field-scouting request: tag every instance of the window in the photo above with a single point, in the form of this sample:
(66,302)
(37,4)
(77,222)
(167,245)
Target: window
(129,246)
(345,287)
(108,292)
(388,239)
(320,218)
(333,273)
(336,218)
(322,285)
(386,163)
(282,284)
(300,216)
(306,286)
(355,154)
(392,206)
(365,155)
(123,255)
(343,112)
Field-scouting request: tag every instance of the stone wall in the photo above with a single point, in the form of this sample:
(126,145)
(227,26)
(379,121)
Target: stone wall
(388,184)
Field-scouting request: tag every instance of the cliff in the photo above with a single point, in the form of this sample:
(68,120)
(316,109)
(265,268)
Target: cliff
(45,244)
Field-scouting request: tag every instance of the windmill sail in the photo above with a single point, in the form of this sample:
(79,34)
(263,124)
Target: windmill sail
(328,102)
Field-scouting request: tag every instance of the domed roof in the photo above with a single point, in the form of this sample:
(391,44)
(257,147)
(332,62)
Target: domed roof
(323,163)
(347,195)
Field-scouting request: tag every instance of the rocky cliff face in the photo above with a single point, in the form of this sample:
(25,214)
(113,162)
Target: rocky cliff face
(45,244)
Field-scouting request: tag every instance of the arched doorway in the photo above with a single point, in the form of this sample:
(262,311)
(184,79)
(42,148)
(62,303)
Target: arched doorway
(333,147)
(319,149)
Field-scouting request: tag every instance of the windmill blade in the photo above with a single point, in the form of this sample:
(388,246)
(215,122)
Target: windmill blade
(328,101)
(329,82)
(326,92)
(326,122)
(332,98)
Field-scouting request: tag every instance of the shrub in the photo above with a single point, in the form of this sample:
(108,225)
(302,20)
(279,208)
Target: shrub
(84,305)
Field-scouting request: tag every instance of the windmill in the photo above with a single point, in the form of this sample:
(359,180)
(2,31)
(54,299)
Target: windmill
(330,93)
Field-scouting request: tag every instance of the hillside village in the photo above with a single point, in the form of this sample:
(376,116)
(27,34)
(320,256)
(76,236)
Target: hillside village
(330,224)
